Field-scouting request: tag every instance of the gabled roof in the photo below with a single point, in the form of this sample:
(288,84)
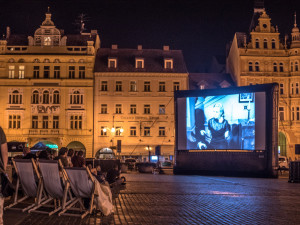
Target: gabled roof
(153,60)
(210,80)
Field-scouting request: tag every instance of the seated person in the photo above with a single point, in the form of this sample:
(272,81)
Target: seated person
(78,160)
(27,153)
(99,175)
(113,175)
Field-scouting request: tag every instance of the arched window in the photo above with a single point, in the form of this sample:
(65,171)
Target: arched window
(296,66)
(273,44)
(56,61)
(280,67)
(76,98)
(257,43)
(257,66)
(81,61)
(46,97)
(21,61)
(56,97)
(11,60)
(275,67)
(250,66)
(15,97)
(292,66)
(35,97)
(71,60)
(265,43)
(46,60)
(36,60)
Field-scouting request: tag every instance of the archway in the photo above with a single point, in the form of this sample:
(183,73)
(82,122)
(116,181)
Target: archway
(76,146)
(281,144)
(105,153)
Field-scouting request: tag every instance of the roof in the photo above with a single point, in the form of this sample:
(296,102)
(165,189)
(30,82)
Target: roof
(153,60)
(79,39)
(17,40)
(210,80)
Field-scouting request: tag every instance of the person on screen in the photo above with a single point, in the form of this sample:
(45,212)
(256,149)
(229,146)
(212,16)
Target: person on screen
(199,123)
(218,129)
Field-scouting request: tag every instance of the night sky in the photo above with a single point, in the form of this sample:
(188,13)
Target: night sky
(200,28)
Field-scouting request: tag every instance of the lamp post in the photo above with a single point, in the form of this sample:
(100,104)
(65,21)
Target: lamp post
(148,148)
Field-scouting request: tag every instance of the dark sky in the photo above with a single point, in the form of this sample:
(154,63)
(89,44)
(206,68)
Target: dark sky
(199,28)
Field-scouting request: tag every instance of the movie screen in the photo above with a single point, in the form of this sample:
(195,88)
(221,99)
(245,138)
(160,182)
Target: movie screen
(235,122)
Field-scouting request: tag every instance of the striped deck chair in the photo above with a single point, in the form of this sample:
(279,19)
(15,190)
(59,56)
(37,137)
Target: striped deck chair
(83,186)
(56,189)
(31,185)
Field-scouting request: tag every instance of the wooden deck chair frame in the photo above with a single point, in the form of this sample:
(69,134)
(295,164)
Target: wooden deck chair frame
(58,204)
(40,196)
(78,199)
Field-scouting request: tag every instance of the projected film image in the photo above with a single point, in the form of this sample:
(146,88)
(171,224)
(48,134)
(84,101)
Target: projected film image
(221,122)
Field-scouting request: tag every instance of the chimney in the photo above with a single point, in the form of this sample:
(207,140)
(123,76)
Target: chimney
(115,47)
(7,32)
(140,47)
(166,48)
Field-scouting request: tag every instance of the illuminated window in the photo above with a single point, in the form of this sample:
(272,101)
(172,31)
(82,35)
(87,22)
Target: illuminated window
(147,131)
(35,122)
(14,121)
(81,72)
(139,63)
(168,63)
(162,86)
(56,72)
(275,67)
(118,109)
(147,86)
(76,98)
(103,108)
(11,72)
(46,97)
(112,63)
(55,123)
(75,122)
(132,131)
(257,67)
(71,72)
(273,44)
(176,86)
(146,109)
(103,131)
(265,43)
(46,72)
(35,97)
(257,43)
(45,122)
(281,89)
(162,131)
(133,86)
(133,109)
(162,109)
(280,67)
(250,66)
(56,97)
(281,113)
(21,72)
(15,97)
(36,72)
(103,85)
(47,41)
(118,85)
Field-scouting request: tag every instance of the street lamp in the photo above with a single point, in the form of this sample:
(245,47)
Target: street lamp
(148,148)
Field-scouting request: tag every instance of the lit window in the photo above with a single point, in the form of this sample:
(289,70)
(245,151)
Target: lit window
(162,109)
(139,63)
(103,108)
(35,122)
(75,122)
(103,131)
(147,131)
(112,63)
(56,72)
(281,113)
(15,97)
(71,72)
(133,109)
(55,123)
(146,109)
(14,121)
(147,86)
(36,72)
(118,109)
(250,66)
(133,86)
(21,72)
(47,40)
(46,72)
(45,122)
(81,72)
(162,131)
(103,85)
(168,63)
(46,97)
(35,97)
(11,72)
(118,85)
(176,86)
(132,131)
(281,89)
(56,97)
(162,86)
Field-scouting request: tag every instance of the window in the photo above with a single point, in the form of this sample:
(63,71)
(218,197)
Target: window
(133,109)
(103,85)
(281,89)
(21,72)
(250,66)
(162,109)
(76,122)
(162,131)
(46,72)
(175,86)
(35,97)
(11,71)
(118,85)
(297,113)
(76,98)
(118,108)
(257,67)
(36,72)
(132,131)
(14,121)
(46,60)
(280,67)
(293,113)
(103,108)
(275,67)
(72,72)
(133,86)
(56,72)
(55,122)
(118,131)
(46,97)
(56,97)
(265,43)
(162,86)
(35,122)
(81,72)
(139,63)
(103,131)
(297,88)
(292,88)
(47,41)
(257,43)
(15,97)
(112,63)
(45,122)
(147,131)
(147,86)
(296,66)
(273,44)
(168,64)
(292,66)
(281,113)
(202,86)
(146,109)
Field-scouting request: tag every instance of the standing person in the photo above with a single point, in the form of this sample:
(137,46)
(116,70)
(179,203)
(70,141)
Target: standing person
(4,158)
(70,156)
(78,160)
(62,155)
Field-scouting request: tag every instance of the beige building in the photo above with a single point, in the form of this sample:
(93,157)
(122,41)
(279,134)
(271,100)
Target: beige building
(261,57)
(134,101)
(46,83)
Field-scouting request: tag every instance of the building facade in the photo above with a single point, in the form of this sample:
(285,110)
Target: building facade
(46,83)
(261,57)
(134,100)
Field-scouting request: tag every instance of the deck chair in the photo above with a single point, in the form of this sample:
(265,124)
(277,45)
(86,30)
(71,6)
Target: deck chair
(83,186)
(26,170)
(57,191)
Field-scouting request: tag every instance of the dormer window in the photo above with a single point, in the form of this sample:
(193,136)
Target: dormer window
(139,63)
(112,63)
(168,64)
(47,41)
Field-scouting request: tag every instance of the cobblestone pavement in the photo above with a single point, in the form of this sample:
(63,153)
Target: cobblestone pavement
(169,199)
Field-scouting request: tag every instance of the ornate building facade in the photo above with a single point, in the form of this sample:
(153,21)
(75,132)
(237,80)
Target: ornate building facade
(261,57)
(134,101)
(46,83)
